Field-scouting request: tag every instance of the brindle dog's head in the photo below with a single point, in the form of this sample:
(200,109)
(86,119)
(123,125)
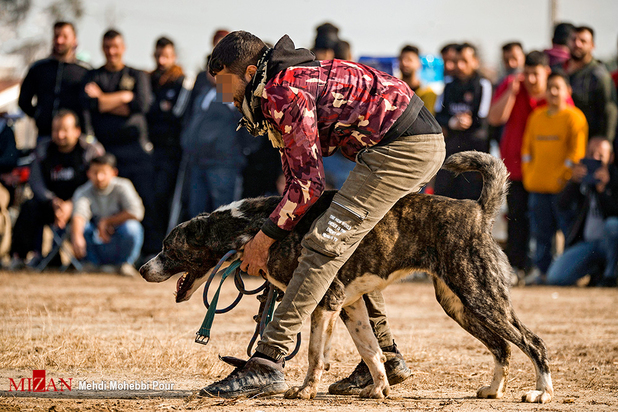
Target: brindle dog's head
(193,248)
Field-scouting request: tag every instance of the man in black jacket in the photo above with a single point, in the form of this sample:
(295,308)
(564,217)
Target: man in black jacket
(462,113)
(164,127)
(55,81)
(119,97)
(59,168)
(593,239)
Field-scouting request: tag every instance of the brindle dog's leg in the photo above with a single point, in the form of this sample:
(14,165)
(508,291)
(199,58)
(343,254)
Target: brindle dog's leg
(322,321)
(499,347)
(356,320)
(493,311)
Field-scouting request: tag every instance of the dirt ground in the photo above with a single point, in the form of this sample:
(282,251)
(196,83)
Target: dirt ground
(109,330)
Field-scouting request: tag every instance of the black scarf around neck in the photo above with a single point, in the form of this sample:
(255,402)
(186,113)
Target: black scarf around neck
(273,61)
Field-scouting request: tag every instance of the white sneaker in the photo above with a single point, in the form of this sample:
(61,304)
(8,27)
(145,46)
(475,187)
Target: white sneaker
(128,270)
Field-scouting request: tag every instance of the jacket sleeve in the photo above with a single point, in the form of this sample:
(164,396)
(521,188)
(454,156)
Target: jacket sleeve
(605,99)
(608,200)
(142,94)
(26,93)
(37,180)
(294,114)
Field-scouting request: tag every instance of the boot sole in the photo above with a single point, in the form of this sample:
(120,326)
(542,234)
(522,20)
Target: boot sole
(393,379)
(268,390)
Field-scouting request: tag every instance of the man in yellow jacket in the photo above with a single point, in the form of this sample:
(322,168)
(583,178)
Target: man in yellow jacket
(554,141)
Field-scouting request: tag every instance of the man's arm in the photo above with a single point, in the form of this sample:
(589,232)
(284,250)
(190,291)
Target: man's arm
(77,236)
(114,103)
(108,224)
(605,96)
(26,93)
(504,100)
(142,94)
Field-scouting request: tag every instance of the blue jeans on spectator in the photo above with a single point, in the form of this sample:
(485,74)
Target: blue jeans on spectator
(211,187)
(579,258)
(124,246)
(545,220)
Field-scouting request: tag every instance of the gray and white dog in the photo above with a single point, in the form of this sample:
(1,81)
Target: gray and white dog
(449,239)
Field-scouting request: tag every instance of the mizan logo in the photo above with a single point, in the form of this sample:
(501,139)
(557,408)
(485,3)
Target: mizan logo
(39,383)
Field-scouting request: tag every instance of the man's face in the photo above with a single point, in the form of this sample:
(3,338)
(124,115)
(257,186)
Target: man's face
(101,175)
(467,63)
(513,59)
(114,50)
(535,79)
(409,63)
(581,45)
(600,149)
(165,57)
(450,62)
(64,40)
(557,91)
(231,87)
(65,133)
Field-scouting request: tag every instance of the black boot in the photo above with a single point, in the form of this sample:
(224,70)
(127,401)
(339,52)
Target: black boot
(255,377)
(396,372)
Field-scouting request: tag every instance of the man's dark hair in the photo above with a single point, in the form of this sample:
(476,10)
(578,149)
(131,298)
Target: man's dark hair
(236,52)
(507,47)
(461,47)
(582,29)
(61,24)
(448,47)
(111,34)
(408,48)
(536,58)
(558,73)
(342,50)
(103,160)
(562,32)
(163,42)
(66,112)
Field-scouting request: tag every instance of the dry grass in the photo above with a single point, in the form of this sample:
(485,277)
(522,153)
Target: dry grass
(105,327)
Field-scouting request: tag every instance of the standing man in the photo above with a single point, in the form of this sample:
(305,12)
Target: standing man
(308,109)
(466,102)
(593,90)
(515,98)
(513,58)
(410,66)
(559,52)
(58,170)
(55,82)
(119,97)
(164,127)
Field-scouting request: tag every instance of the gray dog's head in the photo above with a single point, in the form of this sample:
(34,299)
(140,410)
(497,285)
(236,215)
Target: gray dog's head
(194,247)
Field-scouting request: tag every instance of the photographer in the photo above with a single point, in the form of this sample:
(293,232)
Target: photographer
(593,239)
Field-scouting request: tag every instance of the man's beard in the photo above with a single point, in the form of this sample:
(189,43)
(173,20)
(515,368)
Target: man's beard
(578,56)
(61,51)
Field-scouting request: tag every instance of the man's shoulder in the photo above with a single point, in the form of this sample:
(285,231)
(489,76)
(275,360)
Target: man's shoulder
(574,113)
(82,64)
(42,64)
(85,190)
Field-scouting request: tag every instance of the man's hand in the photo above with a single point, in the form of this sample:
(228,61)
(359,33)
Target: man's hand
(579,171)
(93,90)
(62,211)
(79,245)
(255,256)
(602,175)
(461,121)
(106,230)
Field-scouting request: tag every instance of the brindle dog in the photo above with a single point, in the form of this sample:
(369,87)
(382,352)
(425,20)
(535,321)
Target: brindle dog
(449,239)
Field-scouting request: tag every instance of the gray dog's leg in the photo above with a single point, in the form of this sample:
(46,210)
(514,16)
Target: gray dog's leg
(356,320)
(322,321)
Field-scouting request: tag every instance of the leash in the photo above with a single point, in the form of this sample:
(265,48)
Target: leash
(267,300)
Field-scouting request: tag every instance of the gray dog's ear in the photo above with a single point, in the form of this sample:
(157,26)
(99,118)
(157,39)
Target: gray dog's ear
(196,232)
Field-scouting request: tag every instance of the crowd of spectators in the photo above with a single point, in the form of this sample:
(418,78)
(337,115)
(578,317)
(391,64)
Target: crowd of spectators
(119,148)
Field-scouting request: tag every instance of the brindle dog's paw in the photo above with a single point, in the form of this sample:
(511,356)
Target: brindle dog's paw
(487,392)
(537,397)
(301,392)
(375,392)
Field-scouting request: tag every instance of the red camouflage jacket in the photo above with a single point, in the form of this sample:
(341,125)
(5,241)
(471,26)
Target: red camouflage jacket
(340,104)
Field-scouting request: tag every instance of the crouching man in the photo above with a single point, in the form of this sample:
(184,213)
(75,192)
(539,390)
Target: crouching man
(310,109)
(107,212)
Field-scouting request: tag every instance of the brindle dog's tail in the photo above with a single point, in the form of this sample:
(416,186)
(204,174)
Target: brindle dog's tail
(495,178)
